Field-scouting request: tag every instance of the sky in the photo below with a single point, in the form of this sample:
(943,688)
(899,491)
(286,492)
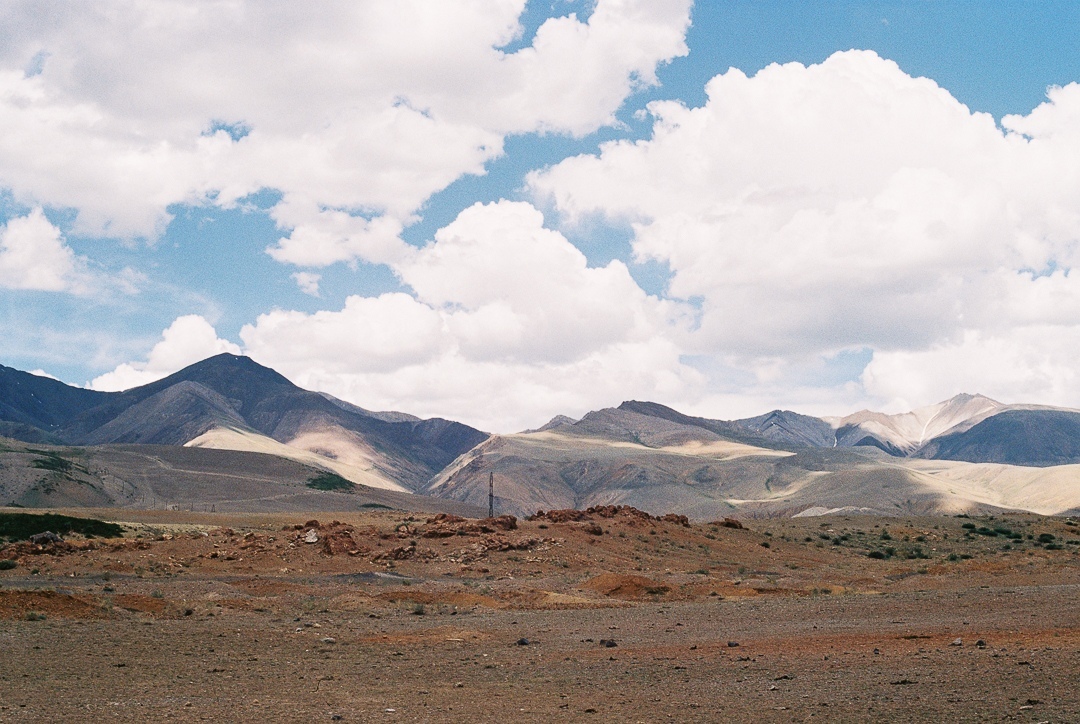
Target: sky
(497,211)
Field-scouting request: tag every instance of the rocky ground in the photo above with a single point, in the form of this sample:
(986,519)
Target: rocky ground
(608,614)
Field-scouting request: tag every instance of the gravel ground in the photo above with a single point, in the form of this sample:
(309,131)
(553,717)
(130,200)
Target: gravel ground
(191,627)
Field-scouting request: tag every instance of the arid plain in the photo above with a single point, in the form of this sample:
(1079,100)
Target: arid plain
(586,616)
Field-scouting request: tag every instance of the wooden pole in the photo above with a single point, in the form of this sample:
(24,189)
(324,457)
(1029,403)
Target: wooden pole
(491,495)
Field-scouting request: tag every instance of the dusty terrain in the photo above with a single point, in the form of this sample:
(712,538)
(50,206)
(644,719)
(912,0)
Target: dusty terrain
(608,615)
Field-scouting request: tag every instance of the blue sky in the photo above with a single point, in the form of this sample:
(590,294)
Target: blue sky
(154,209)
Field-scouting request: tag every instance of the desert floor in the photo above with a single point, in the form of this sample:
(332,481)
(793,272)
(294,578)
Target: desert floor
(386,616)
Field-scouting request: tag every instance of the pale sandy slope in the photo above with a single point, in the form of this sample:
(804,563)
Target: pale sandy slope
(551,470)
(350,463)
(546,470)
(1047,491)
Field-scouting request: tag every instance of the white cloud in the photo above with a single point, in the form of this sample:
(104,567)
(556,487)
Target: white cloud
(33,255)
(1031,364)
(187,340)
(308,282)
(508,327)
(355,111)
(846,205)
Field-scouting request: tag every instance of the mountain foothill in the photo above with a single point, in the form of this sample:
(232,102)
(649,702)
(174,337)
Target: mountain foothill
(229,434)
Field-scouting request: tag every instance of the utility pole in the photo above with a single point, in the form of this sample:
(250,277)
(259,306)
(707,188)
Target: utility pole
(491,495)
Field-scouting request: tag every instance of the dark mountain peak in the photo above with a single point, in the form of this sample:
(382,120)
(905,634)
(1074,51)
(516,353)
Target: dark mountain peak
(41,402)
(785,426)
(227,369)
(555,422)
(655,409)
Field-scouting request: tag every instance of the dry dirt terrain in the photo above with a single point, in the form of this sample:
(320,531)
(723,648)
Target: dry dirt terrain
(604,615)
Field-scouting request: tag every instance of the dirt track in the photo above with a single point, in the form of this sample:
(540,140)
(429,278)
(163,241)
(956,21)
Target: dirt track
(160,627)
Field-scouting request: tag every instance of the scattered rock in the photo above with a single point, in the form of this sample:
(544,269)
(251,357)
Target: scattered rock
(311,536)
(445,525)
(957,642)
(45,538)
(608,643)
(732,644)
(523,641)
(677,519)
(626,513)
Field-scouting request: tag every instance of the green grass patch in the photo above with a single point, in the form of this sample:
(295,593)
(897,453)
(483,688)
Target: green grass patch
(331,481)
(55,463)
(20,526)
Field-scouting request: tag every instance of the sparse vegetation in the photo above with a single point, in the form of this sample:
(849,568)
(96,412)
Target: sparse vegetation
(52,462)
(7,564)
(20,526)
(331,482)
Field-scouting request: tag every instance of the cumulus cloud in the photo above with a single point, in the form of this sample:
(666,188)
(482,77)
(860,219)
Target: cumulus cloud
(188,339)
(507,326)
(356,112)
(308,282)
(33,255)
(847,205)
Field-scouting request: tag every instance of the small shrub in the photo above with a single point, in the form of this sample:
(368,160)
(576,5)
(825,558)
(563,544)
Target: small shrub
(7,564)
(157,594)
(1046,537)
(968,526)
(35,616)
(953,557)
(419,610)
(330,481)
(764,544)
(878,555)
(20,526)
(52,462)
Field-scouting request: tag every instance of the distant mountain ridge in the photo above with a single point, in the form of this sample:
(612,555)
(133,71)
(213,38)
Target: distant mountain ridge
(233,402)
(971,428)
(782,463)
(639,453)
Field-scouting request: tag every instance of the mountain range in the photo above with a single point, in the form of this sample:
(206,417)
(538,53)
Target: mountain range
(966,453)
